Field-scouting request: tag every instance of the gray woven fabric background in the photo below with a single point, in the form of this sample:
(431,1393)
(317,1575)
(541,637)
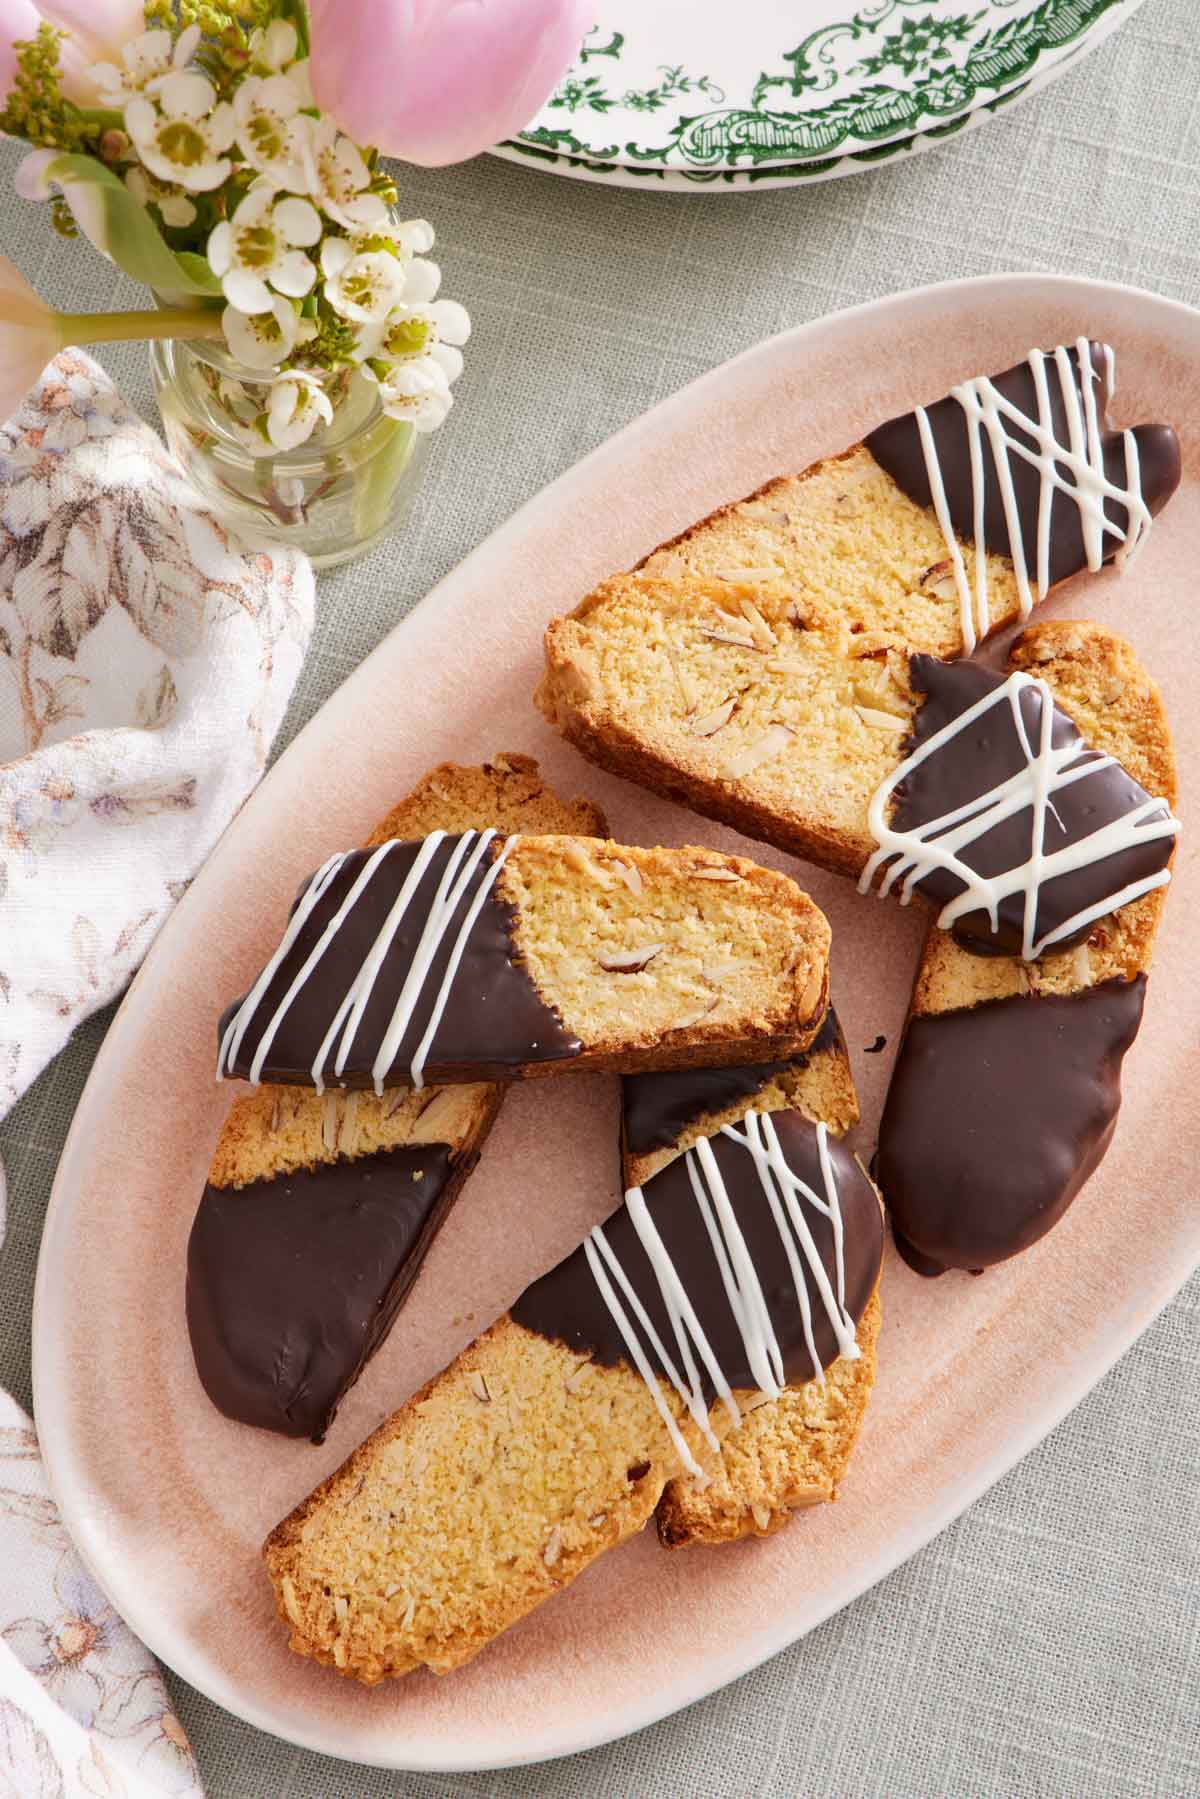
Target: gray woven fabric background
(1049,1642)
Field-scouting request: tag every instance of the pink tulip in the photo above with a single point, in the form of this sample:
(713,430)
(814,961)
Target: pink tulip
(19,21)
(99,27)
(436,81)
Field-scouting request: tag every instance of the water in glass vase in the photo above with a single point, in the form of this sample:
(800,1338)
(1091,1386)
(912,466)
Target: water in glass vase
(349,485)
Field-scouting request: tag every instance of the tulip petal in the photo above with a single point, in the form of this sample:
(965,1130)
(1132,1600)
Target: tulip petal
(18,23)
(29,337)
(437,83)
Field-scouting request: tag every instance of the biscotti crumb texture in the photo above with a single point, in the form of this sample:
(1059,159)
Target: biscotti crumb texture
(841,534)
(492,1488)
(658,958)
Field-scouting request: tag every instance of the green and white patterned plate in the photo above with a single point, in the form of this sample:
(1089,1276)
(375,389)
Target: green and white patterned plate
(685,93)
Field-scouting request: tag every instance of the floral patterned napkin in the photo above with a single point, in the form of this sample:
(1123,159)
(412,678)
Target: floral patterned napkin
(146,658)
(83,1709)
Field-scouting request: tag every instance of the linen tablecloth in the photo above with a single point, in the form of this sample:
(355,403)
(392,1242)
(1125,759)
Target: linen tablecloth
(1049,1642)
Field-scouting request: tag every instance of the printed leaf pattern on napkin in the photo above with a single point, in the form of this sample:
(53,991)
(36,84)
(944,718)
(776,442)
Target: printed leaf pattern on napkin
(146,658)
(83,1709)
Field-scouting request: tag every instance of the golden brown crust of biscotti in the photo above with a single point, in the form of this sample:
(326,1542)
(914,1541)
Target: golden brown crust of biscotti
(831,578)
(792,1453)
(1098,681)
(666,958)
(843,534)
(278,1130)
(719,695)
(507,792)
(435,1536)
(785,1456)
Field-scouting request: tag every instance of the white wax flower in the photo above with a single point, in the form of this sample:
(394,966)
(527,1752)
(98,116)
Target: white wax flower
(298,404)
(145,59)
(181,131)
(171,201)
(272,130)
(337,176)
(262,340)
(262,247)
(416,392)
(410,332)
(362,286)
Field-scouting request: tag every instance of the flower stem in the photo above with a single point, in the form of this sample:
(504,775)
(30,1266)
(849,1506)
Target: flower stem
(124,327)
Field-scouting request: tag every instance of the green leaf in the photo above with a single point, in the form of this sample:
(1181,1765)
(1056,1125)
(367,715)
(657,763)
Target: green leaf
(122,229)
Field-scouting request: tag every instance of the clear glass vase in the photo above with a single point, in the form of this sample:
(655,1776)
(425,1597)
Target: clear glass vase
(343,490)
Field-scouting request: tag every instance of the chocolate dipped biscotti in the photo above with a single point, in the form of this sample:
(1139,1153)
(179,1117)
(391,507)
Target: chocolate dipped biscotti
(769,667)
(1005,1094)
(474,956)
(792,1452)
(319,1209)
(746,1264)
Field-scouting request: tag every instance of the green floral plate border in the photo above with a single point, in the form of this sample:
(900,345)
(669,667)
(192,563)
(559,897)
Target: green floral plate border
(970,65)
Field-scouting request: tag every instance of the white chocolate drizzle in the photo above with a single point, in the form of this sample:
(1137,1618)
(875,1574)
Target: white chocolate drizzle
(784,1191)
(1074,468)
(915,852)
(461,871)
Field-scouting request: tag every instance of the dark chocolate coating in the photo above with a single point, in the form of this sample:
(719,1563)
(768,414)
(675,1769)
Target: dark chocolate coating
(495,1020)
(567,1305)
(656,1109)
(997,1115)
(980,757)
(896,446)
(292,1283)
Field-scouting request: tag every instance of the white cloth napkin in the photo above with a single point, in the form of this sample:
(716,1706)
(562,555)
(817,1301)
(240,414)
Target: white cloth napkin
(146,658)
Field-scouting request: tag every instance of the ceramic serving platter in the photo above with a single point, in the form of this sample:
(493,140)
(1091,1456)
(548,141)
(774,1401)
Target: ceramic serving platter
(678,95)
(168,1501)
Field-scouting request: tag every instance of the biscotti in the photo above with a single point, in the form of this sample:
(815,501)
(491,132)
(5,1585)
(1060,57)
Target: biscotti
(784,699)
(1005,1093)
(953,519)
(790,1453)
(552,1437)
(477,956)
(319,1210)
(664,1114)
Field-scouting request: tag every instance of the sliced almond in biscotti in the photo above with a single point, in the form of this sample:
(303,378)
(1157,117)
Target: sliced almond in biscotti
(859,761)
(771,666)
(884,535)
(319,1209)
(552,1437)
(792,1452)
(1007,1086)
(456,958)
